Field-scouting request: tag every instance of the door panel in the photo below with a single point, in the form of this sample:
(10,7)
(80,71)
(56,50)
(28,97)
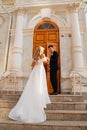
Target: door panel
(39,37)
(44,37)
(52,36)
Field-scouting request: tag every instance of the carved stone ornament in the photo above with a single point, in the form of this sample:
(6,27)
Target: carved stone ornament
(46,13)
(20,11)
(8,2)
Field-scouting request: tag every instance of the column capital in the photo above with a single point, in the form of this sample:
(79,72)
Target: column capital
(21,11)
(85,9)
(75,10)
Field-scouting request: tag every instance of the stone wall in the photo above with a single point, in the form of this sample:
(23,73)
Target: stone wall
(4,40)
(65,44)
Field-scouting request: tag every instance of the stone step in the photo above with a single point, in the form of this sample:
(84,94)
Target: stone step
(47,125)
(52,106)
(67,115)
(7,103)
(67,98)
(67,106)
(6,95)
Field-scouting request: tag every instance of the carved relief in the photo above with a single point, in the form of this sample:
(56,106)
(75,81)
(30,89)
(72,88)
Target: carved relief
(46,13)
(8,2)
(20,11)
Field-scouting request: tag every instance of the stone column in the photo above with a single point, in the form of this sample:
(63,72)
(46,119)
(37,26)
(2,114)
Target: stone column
(77,54)
(17,52)
(86,15)
(86,34)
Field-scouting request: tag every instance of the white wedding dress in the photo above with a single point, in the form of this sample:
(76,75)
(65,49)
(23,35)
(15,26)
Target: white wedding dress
(30,106)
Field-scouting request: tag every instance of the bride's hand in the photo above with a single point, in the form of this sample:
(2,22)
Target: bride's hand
(48,59)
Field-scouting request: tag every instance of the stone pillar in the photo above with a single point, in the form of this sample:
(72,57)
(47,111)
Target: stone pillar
(17,52)
(77,54)
(86,15)
(86,34)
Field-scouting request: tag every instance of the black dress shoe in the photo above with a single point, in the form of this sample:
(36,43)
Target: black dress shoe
(54,93)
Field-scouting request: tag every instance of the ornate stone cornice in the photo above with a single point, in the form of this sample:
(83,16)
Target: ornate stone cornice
(8,2)
(28,4)
(13,5)
(41,3)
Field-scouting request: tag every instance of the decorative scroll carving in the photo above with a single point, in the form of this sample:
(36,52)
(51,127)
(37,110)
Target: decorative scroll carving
(8,2)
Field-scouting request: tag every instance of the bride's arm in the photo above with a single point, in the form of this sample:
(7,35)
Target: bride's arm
(43,58)
(34,62)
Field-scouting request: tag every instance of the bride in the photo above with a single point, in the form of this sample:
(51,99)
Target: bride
(30,106)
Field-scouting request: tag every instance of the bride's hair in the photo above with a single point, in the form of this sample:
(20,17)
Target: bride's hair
(38,52)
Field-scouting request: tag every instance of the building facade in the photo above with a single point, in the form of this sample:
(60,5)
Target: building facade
(26,24)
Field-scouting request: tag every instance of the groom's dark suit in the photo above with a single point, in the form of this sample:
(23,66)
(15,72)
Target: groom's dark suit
(53,70)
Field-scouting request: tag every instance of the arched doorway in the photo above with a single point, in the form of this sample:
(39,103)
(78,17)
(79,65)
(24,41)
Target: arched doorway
(44,33)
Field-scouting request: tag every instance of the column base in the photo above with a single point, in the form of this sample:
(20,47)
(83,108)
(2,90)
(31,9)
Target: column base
(18,72)
(12,81)
(79,80)
(80,70)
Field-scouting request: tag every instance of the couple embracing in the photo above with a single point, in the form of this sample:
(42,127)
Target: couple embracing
(35,97)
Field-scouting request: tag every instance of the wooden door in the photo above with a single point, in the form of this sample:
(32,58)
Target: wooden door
(46,33)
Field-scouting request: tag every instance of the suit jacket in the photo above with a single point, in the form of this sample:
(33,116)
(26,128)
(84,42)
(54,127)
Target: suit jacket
(54,61)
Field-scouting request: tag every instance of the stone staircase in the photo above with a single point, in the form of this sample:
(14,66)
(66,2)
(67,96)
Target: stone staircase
(67,112)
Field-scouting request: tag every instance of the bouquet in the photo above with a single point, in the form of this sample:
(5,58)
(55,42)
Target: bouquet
(34,62)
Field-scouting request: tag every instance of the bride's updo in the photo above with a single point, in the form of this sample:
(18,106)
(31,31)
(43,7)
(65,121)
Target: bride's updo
(38,52)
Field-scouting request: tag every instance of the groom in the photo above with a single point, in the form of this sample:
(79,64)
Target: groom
(53,69)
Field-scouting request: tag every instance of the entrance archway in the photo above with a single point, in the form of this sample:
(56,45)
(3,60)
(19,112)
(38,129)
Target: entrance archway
(44,33)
